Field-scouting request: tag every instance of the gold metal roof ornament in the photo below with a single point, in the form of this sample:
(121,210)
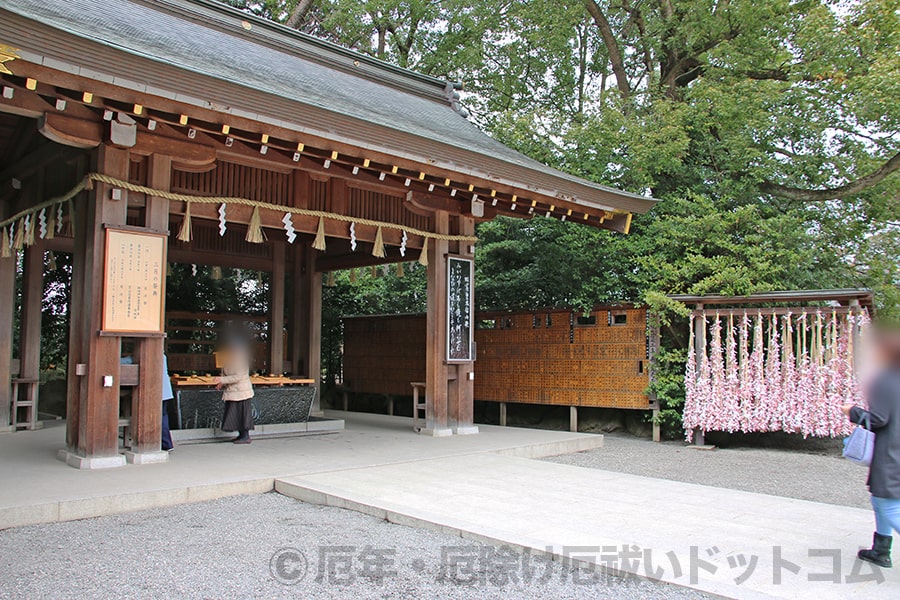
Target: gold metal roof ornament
(7,54)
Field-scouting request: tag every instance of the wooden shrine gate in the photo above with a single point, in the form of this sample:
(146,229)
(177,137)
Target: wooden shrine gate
(214,137)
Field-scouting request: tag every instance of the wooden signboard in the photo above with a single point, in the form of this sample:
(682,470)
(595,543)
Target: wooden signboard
(460,309)
(134,283)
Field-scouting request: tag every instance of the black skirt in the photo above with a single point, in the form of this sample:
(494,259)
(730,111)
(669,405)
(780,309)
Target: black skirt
(238,416)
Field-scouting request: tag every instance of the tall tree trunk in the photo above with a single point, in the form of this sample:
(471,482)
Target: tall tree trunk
(612,47)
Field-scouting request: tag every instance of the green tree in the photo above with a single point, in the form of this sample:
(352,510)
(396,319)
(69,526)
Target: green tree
(768,129)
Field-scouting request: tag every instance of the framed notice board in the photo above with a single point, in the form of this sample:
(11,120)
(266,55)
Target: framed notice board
(134,282)
(460,309)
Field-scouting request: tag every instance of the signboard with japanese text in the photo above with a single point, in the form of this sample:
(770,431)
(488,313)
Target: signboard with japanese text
(460,307)
(134,282)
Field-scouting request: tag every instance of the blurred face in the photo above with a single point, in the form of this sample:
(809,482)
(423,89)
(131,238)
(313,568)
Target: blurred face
(887,347)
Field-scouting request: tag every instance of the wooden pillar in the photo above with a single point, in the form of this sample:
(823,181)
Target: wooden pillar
(32,300)
(436,371)
(76,328)
(276,310)
(146,401)
(314,318)
(7,315)
(462,396)
(93,357)
(299,323)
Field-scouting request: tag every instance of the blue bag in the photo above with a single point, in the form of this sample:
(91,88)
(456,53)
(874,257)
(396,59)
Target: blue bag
(861,443)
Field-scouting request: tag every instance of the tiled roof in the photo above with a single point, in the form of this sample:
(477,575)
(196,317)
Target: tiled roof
(334,91)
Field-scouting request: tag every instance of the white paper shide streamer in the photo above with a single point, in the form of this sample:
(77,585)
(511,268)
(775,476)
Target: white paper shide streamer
(222,224)
(403,241)
(289,228)
(42,223)
(353,236)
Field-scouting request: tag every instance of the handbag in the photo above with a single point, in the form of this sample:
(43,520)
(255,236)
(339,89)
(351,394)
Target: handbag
(861,443)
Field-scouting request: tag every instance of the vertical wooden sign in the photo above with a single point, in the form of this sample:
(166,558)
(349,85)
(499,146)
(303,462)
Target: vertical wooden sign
(134,283)
(460,309)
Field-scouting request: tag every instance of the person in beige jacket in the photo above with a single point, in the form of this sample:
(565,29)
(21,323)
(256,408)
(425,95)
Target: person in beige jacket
(236,389)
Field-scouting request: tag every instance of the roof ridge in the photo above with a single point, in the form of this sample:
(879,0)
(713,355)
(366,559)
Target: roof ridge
(311,48)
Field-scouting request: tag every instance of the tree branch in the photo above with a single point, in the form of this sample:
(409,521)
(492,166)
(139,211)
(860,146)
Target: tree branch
(837,193)
(298,13)
(612,46)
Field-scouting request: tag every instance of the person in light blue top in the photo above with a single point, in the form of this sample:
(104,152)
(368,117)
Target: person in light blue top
(167,396)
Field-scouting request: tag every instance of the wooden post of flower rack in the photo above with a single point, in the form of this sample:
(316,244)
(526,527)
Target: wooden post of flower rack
(699,345)
(855,334)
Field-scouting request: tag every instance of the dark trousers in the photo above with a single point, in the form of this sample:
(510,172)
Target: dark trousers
(166,434)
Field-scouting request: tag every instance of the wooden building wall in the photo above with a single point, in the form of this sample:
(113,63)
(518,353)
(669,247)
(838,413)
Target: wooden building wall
(382,355)
(546,357)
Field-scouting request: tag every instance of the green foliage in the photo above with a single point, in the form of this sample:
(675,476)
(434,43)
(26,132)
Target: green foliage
(668,388)
(235,291)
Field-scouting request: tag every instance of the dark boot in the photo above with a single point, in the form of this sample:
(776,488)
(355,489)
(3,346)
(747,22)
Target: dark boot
(243,438)
(880,554)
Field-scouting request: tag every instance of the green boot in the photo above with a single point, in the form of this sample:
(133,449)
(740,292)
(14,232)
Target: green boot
(880,554)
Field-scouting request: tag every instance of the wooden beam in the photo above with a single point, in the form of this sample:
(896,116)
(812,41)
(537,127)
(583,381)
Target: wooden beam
(71,131)
(300,189)
(271,219)
(430,203)
(35,161)
(337,203)
(363,258)
(187,256)
(182,154)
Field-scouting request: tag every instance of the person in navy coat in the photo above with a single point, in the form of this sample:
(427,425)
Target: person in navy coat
(884,472)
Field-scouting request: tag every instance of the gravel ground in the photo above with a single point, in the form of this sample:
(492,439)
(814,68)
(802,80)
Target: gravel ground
(819,475)
(229,548)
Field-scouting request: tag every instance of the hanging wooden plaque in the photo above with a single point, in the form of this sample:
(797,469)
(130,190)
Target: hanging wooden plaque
(460,307)
(134,283)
